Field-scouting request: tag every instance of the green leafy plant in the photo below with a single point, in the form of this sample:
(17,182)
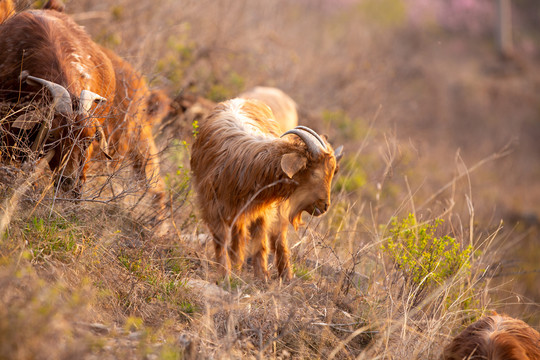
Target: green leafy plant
(179,181)
(195,130)
(423,258)
(56,237)
(302,272)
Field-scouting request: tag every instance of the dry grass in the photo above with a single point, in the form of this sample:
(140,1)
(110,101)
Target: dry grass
(425,116)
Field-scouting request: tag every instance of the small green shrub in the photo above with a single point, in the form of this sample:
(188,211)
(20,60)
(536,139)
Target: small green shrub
(422,258)
(58,238)
(179,181)
(195,130)
(302,272)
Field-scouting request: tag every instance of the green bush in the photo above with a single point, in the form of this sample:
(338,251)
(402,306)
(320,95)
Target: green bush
(422,258)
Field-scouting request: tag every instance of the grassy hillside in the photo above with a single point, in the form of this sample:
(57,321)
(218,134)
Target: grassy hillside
(434,218)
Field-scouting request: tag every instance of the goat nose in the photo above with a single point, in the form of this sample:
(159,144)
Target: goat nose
(325,206)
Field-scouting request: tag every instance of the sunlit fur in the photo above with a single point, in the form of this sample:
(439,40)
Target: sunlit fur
(49,45)
(283,107)
(238,153)
(7,9)
(495,337)
(129,126)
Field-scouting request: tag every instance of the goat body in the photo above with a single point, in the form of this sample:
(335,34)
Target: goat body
(45,49)
(243,171)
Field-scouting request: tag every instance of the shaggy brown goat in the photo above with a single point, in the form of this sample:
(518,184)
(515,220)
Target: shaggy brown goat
(495,337)
(46,50)
(243,170)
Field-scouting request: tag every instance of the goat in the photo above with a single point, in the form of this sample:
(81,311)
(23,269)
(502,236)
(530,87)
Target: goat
(495,337)
(45,49)
(243,170)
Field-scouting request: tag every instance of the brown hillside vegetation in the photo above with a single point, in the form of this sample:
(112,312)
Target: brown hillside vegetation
(434,219)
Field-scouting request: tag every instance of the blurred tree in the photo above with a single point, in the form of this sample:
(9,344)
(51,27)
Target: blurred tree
(504,28)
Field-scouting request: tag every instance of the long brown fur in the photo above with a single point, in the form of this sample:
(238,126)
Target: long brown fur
(495,337)
(7,9)
(48,44)
(237,166)
(285,112)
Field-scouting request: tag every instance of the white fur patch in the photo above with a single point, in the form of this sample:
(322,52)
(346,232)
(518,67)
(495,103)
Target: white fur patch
(81,69)
(246,123)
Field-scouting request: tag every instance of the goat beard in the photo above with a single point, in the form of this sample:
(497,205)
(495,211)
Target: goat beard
(295,218)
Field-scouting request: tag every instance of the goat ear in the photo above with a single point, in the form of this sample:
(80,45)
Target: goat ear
(338,153)
(292,163)
(26,121)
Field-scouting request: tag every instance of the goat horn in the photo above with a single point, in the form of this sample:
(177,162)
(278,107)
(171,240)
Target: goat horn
(87,98)
(61,98)
(307,138)
(312,132)
(338,153)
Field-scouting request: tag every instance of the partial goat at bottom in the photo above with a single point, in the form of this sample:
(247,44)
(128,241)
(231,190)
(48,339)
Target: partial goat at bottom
(495,337)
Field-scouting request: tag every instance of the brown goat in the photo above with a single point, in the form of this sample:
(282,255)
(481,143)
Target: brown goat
(45,50)
(495,337)
(243,170)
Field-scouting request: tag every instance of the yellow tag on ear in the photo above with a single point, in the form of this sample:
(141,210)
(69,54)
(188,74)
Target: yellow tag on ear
(292,163)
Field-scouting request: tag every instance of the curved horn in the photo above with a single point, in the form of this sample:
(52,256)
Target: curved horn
(306,137)
(87,98)
(61,98)
(312,132)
